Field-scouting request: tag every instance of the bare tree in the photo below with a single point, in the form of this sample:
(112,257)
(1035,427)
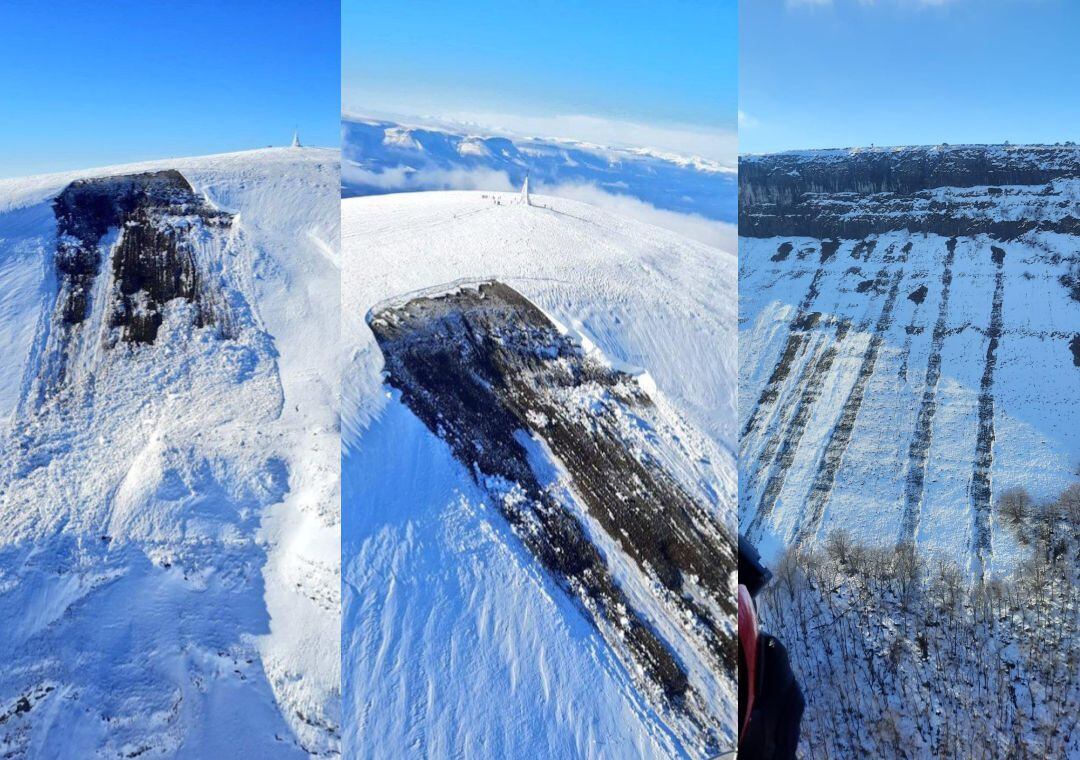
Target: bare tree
(908,568)
(906,655)
(1015,506)
(838,545)
(1049,531)
(1070,505)
(786,572)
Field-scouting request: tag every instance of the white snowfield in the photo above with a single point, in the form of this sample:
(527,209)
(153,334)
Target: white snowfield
(944,359)
(169,526)
(456,642)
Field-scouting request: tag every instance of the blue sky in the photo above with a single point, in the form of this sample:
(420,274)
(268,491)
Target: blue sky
(91,83)
(652,70)
(843,73)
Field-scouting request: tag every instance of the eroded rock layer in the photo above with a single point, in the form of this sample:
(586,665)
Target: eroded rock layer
(573,453)
(1003,191)
(152,261)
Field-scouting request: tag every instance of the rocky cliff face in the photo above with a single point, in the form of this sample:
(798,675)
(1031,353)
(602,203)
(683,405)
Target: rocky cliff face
(128,249)
(963,190)
(572,452)
(907,323)
(153,262)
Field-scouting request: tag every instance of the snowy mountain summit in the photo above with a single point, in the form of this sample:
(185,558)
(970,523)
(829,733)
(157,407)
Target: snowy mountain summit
(168,491)
(910,340)
(538,466)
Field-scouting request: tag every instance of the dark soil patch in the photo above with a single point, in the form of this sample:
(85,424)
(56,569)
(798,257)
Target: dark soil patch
(782,252)
(918,295)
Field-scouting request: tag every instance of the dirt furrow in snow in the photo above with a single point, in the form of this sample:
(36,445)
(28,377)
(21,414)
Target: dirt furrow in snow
(784,446)
(981,488)
(919,450)
(796,338)
(821,489)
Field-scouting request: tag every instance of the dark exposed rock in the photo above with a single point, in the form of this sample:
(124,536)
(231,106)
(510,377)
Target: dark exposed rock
(1071,282)
(782,252)
(863,249)
(152,262)
(783,178)
(858,193)
(806,321)
(478,367)
(919,294)
(25,703)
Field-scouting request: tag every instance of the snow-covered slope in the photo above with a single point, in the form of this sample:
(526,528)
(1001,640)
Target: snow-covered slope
(910,343)
(458,639)
(169,551)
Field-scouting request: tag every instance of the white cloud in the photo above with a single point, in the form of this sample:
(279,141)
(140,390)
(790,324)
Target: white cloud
(711,232)
(746,121)
(403,178)
(688,140)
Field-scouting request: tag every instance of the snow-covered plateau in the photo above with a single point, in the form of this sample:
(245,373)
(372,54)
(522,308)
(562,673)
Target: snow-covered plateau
(538,481)
(169,459)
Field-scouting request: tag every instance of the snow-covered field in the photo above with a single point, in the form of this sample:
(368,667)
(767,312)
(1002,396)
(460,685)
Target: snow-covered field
(456,642)
(169,527)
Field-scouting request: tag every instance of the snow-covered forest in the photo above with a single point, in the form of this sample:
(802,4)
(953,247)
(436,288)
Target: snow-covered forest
(906,654)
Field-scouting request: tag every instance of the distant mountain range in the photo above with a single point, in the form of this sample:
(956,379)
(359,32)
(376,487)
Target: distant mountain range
(383,156)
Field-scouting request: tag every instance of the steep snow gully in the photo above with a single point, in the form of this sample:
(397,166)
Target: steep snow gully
(906,323)
(161,507)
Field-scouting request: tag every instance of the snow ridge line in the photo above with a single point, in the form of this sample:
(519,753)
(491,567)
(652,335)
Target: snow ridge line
(841,434)
(443,289)
(981,488)
(919,450)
